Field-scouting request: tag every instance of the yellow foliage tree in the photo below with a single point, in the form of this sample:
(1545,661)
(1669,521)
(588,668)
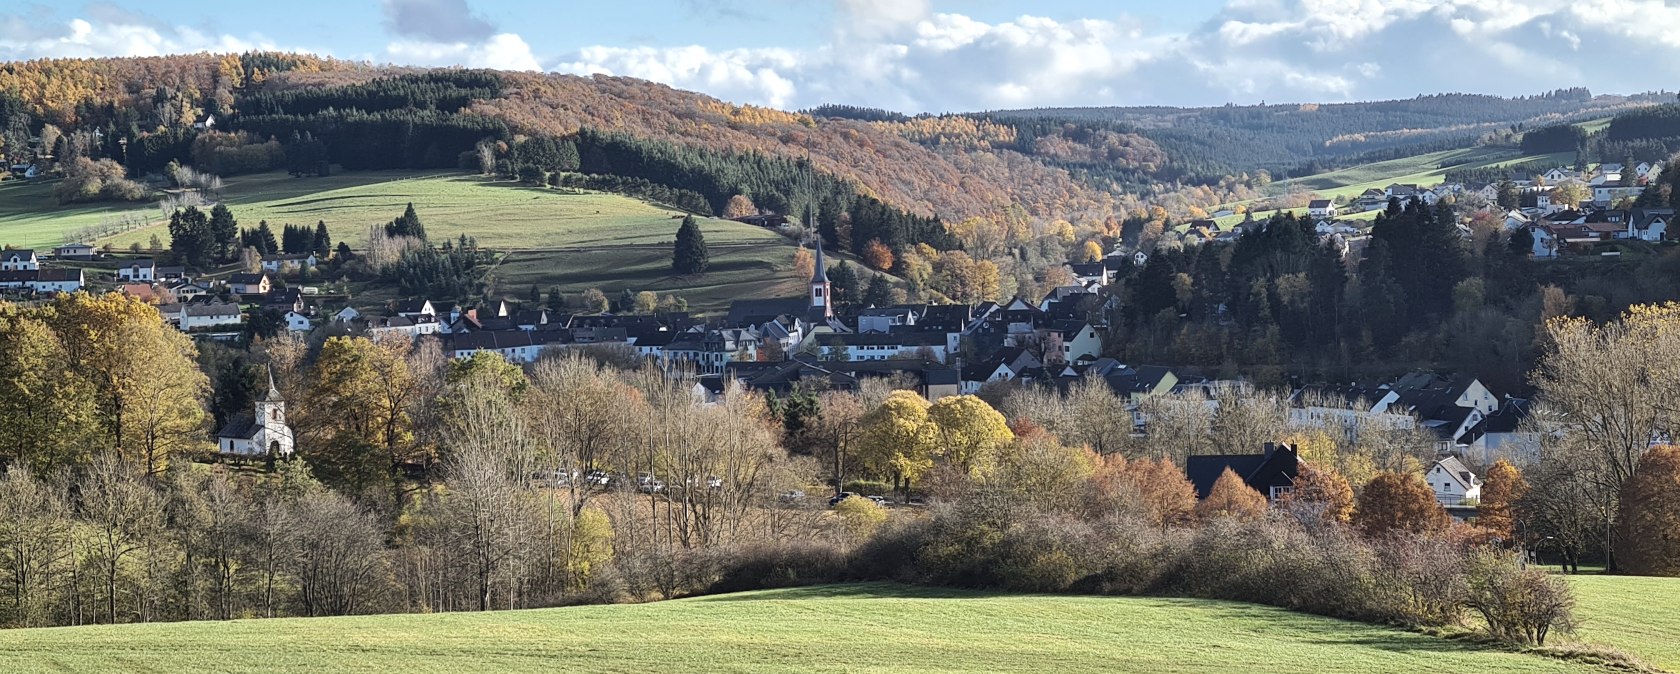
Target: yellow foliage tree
(1501,490)
(1090,252)
(969,433)
(898,438)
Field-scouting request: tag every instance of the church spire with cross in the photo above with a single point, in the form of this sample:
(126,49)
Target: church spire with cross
(821,300)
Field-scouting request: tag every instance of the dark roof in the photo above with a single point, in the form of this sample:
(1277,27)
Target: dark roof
(1319,203)
(18,253)
(819,274)
(243,426)
(413,306)
(245,279)
(1276,467)
(753,312)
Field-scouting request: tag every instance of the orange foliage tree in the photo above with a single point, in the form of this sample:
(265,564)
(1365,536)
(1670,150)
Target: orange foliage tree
(1648,517)
(1398,502)
(1322,494)
(1155,490)
(1231,497)
(1500,492)
(877,255)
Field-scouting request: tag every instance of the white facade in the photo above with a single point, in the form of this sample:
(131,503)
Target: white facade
(1452,482)
(138,270)
(19,260)
(297,322)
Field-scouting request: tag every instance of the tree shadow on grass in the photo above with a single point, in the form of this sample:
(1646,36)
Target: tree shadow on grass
(850,591)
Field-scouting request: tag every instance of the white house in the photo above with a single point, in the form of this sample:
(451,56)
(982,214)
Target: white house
(263,433)
(1557,175)
(297,322)
(249,284)
(208,315)
(288,263)
(1079,341)
(138,270)
(346,315)
(19,260)
(206,124)
(1453,482)
(73,251)
(43,281)
(1545,242)
(1140,259)
(1322,209)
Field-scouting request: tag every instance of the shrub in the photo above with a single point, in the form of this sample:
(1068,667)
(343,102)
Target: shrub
(860,517)
(868,487)
(1521,606)
(780,565)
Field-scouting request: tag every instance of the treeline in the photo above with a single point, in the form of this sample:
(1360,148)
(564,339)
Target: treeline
(774,184)
(1425,296)
(1649,133)
(860,113)
(1559,138)
(1283,139)
(445,90)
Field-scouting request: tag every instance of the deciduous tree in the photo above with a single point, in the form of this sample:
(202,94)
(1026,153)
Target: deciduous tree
(1231,497)
(1648,520)
(1398,503)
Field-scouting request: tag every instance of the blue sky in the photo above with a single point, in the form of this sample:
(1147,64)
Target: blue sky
(932,55)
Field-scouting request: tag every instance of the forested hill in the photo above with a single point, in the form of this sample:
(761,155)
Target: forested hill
(1300,139)
(1094,166)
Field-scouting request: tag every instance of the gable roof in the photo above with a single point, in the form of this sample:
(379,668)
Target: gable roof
(1276,467)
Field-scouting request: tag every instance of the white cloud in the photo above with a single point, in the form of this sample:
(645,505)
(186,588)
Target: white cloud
(112,35)
(503,51)
(901,55)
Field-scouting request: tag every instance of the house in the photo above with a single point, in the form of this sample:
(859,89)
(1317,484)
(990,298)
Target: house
(1078,339)
(346,315)
(1140,259)
(263,433)
(73,251)
(1649,224)
(886,319)
(19,260)
(186,291)
(25,171)
(43,281)
(1321,209)
(1271,472)
(1611,192)
(203,315)
(171,273)
(1453,483)
(1559,174)
(206,124)
(1546,243)
(297,322)
(1091,273)
(288,263)
(138,270)
(248,284)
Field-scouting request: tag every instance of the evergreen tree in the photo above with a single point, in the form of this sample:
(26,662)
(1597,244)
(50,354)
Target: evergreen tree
(534,296)
(323,240)
(408,224)
(878,293)
(190,237)
(556,300)
(224,232)
(843,283)
(263,239)
(344,252)
(690,256)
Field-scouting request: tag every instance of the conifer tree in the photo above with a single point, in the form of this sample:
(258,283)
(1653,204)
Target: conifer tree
(323,240)
(690,256)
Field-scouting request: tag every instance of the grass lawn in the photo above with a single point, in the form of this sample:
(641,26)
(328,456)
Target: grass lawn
(737,271)
(570,238)
(1638,615)
(868,628)
(500,214)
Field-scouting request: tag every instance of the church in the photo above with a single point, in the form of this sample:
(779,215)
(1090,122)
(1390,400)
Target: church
(263,433)
(816,308)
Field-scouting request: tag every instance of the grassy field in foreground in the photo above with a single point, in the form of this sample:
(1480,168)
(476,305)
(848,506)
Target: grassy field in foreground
(1638,615)
(871,628)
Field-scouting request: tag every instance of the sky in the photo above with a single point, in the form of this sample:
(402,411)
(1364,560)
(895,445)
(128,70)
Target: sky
(931,55)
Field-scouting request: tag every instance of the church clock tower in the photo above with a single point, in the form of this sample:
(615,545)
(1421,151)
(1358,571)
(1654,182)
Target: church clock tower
(821,302)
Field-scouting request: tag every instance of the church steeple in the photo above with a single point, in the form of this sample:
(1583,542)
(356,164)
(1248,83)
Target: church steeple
(820,298)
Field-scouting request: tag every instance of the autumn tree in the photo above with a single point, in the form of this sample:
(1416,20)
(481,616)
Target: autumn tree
(1091,251)
(1231,497)
(594,301)
(358,422)
(1398,503)
(899,439)
(1320,495)
(739,206)
(47,410)
(1613,384)
(151,391)
(690,256)
(1502,489)
(1154,489)
(1648,521)
(877,255)
(804,265)
(968,432)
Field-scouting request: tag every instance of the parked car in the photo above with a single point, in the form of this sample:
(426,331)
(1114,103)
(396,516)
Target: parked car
(648,484)
(835,500)
(597,477)
(714,482)
(880,501)
(795,496)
